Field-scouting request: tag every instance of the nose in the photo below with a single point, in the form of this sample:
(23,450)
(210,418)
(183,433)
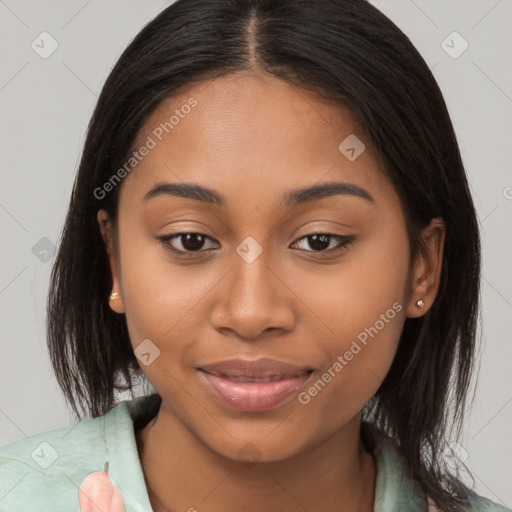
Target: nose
(254,298)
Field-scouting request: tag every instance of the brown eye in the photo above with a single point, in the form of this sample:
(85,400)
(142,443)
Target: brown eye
(191,242)
(319,242)
(186,242)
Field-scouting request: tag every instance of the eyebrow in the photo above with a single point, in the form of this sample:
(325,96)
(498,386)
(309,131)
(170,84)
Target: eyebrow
(291,199)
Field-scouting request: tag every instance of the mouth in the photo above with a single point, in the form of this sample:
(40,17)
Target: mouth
(253,386)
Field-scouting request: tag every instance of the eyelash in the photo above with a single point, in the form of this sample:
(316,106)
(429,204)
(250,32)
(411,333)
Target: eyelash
(343,242)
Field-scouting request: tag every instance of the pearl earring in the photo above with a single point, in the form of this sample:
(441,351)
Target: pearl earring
(420,303)
(113,296)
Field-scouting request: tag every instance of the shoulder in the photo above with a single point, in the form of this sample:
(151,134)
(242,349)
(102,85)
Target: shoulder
(397,490)
(478,504)
(44,471)
(481,504)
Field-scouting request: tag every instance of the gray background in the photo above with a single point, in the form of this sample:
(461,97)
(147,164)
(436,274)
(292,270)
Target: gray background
(46,105)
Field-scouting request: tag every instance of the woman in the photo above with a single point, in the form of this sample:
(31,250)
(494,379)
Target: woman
(271,225)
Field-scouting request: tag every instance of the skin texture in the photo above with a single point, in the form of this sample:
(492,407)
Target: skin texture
(252,138)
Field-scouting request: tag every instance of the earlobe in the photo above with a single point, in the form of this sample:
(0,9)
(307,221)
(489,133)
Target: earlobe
(115,300)
(426,273)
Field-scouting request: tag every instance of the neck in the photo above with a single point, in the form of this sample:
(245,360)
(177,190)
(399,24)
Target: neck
(181,473)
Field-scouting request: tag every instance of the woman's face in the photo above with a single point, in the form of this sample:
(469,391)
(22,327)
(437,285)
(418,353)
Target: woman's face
(256,283)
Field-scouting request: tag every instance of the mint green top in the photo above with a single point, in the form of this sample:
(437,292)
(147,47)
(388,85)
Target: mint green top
(44,472)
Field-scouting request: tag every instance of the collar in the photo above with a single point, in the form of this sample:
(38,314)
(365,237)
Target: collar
(394,489)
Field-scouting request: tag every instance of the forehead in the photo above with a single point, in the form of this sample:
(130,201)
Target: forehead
(248,132)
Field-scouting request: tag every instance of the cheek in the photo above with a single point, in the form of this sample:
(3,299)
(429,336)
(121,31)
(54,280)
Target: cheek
(160,298)
(356,366)
(351,295)
(363,305)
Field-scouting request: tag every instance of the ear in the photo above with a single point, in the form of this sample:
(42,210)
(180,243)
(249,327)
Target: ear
(116,304)
(426,271)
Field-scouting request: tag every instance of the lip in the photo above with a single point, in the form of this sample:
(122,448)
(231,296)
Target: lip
(254,385)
